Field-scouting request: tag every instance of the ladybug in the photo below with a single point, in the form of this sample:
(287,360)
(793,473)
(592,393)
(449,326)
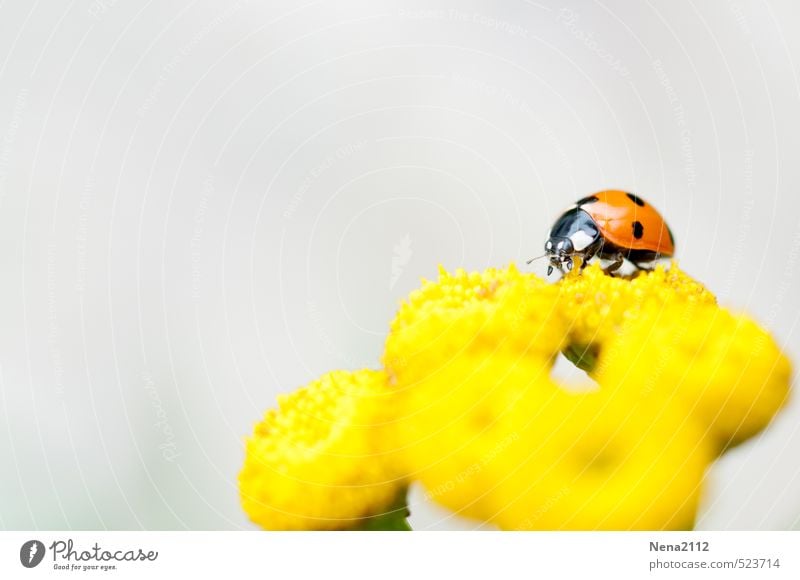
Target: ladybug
(610,225)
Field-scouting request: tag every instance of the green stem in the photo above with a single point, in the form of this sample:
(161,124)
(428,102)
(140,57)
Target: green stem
(393,519)
(583,356)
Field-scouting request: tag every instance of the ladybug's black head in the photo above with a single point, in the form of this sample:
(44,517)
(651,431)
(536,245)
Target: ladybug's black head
(559,251)
(573,234)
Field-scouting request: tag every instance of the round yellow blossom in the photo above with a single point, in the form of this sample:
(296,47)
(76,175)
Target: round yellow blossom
(315,462)
(451,426)
(494,310)
(492,437)
(598,304)
(723,368)
(593,461)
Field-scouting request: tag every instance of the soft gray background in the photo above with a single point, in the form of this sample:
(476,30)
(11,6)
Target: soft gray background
(205,204)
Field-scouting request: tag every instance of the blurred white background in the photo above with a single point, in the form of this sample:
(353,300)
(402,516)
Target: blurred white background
(205,204)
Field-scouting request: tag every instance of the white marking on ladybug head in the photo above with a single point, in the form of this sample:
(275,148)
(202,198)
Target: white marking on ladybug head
(581,240)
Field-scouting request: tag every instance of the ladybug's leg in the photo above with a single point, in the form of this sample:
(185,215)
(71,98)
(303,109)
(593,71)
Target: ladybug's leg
(646,266)
(590,253)
(619,259)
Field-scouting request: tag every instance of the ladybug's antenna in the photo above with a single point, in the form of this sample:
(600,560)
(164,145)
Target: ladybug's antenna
(536,258)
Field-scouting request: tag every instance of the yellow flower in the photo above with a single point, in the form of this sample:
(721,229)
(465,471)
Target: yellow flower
(466,406)
(598,304)
(453,426)
(450,344)
(479,421)
(723,368)
(595,461)
(498,309)
(492,437)
(315,462)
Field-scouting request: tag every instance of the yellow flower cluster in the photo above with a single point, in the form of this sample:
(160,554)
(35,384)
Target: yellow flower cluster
(316,462)
(466,406)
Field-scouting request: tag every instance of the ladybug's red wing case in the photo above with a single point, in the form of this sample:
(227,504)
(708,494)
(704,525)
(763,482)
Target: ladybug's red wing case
(629,222)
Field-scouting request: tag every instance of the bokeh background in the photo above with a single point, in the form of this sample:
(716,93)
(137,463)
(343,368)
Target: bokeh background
(204,204)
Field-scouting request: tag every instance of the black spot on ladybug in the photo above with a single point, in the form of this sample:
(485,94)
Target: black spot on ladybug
(636,199)
(587,199)
(638,230)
